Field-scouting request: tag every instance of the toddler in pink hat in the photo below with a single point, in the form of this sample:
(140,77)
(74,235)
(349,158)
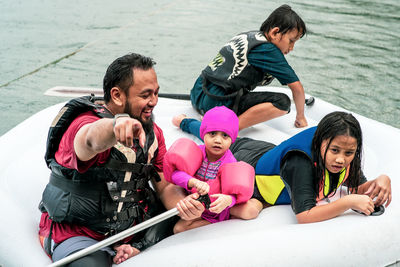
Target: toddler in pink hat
(220,119)
(219,129)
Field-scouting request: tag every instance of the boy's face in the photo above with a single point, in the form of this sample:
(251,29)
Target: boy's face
(285,42)
(216,143)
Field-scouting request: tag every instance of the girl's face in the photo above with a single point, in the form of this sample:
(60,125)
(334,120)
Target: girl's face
(216,143)
(340,152)
(285,42)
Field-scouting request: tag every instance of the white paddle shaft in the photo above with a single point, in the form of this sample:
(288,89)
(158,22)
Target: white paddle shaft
(111,240)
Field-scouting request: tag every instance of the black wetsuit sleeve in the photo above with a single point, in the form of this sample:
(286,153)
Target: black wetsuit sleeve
(363,180)
(298,176)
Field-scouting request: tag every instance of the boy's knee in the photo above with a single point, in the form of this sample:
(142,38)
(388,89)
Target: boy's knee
(283,103)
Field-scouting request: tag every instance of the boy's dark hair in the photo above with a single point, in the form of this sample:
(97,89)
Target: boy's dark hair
(332,125)
(120,73)
(286,20)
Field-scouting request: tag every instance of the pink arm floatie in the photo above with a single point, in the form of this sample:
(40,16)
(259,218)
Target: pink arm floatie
(237,178)
(183,155)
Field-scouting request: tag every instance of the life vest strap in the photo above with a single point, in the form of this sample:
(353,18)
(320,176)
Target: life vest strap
(135,184)
(124,166)
(130,197)
(86,189)
(237,95)
(132,212)
(148,170)
(217,97)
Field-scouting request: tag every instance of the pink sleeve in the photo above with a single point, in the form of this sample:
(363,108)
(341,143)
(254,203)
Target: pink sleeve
(229,157)
(233,201)
(181,178)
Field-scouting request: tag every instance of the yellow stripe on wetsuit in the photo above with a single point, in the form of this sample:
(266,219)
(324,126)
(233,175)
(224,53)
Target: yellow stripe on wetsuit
(270,187)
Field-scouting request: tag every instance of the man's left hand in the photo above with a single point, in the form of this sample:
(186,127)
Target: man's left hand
(190,208)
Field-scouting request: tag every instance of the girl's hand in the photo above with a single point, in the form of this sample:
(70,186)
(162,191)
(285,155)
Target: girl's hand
(362,203)
(124,252)
(201,187)
(381,189)
(220,203)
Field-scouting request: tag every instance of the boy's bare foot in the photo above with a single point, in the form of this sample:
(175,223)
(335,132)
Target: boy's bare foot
(178,119)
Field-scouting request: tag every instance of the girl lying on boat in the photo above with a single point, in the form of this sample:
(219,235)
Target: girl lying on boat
(306,168)
(210,168)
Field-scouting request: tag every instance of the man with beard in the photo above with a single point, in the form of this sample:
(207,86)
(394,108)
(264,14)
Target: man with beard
(102,157)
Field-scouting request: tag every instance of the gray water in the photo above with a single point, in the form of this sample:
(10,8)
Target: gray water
(350,56)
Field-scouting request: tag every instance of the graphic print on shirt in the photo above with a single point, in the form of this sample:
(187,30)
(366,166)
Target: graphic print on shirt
(240,46)
(216,62)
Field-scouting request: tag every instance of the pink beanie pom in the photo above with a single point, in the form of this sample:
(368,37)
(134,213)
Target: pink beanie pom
(220,119)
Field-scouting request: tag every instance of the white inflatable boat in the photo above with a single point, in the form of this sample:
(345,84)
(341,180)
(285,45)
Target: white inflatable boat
(273,239)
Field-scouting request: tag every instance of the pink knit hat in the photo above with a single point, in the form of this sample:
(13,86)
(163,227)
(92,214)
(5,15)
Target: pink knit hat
(220,119)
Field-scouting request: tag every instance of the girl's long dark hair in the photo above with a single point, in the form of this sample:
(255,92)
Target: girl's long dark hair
(332,125)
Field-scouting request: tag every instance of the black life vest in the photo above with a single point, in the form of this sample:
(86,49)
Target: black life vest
(109,198)
(230,68)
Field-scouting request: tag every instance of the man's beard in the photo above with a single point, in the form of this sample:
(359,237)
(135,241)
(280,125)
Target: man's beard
(147,125)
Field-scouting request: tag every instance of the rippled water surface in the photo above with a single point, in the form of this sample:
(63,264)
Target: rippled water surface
(350,56)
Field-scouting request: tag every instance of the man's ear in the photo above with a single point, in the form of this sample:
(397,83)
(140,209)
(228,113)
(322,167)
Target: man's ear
(117,96)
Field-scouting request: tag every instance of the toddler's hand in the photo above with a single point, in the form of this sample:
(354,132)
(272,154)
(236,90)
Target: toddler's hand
(201,187)
(221,203)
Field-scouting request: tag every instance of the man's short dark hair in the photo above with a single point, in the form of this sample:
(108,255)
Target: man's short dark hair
(120,73)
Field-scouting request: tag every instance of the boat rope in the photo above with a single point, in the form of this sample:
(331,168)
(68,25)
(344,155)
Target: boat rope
(153,13)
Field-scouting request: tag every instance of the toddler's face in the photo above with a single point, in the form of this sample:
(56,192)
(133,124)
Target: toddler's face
(340,152)
(216,143)
(285,42)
